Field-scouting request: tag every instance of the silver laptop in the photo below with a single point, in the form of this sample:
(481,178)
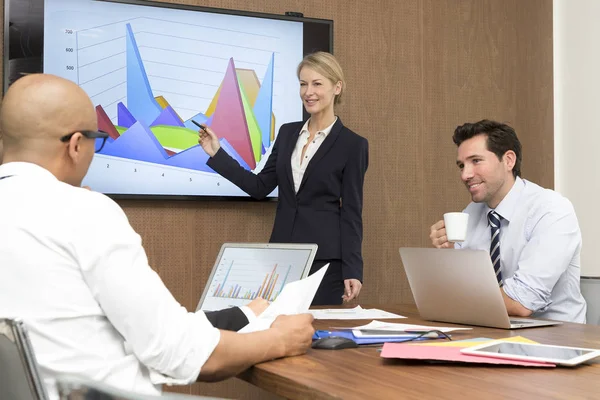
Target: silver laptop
(244,271)
(459,286)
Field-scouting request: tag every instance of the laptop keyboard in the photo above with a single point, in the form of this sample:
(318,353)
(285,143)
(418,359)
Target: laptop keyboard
(521,321)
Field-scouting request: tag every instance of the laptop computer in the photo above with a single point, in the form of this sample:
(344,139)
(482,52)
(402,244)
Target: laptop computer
(244,271)
(459,286)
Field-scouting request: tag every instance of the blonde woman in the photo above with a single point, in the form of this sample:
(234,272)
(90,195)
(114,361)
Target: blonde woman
(319,166)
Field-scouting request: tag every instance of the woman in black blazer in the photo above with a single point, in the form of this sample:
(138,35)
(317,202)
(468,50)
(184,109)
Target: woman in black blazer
(319,166)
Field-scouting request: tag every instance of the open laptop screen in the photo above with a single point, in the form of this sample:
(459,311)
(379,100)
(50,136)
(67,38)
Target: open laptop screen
(245,271)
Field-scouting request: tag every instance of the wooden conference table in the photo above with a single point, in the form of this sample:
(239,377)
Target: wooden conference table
(362,374)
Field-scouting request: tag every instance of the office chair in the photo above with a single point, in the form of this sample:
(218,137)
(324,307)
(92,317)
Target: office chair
(20,378)
(590,289)
(19,374)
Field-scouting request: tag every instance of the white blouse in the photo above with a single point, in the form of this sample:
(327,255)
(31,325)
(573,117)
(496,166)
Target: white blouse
(298,163)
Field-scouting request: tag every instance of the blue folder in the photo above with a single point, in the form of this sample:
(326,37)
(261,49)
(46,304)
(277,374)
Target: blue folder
(371,340)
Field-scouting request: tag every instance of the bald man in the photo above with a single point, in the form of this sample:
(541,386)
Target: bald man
(76,272)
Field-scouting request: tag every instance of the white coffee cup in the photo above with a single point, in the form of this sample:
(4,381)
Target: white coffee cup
(456,226)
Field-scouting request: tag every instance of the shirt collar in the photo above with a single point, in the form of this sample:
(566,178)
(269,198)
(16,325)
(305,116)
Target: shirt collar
(25,169)
(325,131)
(509,203)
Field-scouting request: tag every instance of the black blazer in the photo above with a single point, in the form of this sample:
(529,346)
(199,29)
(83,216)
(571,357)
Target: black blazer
(229,319)
(327,210)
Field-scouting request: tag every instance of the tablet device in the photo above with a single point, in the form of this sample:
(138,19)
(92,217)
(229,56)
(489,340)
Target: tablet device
(559,355)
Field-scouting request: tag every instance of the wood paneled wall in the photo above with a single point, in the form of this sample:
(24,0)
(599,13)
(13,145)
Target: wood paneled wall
(415,70)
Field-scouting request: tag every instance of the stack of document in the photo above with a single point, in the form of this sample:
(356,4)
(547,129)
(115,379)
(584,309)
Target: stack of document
(390,330)
(353,313)
(450,352)
(370,339)
(383,332)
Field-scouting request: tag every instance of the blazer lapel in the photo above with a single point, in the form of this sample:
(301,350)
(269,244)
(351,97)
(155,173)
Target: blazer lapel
(288,155)
(323,149)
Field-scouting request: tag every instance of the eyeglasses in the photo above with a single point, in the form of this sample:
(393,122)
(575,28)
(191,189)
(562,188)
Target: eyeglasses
(432,334)
(99,136)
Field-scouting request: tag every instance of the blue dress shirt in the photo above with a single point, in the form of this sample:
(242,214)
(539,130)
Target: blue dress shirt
(540,245)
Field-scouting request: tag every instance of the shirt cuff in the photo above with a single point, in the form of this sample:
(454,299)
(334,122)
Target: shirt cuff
(248,313)
(529,297)
(211,340)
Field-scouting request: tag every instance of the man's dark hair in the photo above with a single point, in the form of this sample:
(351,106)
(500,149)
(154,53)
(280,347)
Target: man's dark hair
(500,139)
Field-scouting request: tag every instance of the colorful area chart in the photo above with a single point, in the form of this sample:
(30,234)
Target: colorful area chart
(149,129)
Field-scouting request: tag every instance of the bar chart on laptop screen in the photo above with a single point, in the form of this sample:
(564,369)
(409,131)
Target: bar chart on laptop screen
(243,274)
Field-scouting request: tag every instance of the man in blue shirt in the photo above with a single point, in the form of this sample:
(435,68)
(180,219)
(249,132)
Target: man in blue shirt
(532,233)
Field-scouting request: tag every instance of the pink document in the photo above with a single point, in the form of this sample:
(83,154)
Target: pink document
(437,353)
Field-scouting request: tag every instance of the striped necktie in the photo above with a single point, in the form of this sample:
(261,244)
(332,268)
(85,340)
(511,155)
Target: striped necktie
(494,219)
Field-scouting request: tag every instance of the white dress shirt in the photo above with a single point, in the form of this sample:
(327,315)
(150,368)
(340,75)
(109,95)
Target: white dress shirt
(540,245)
(75,271)
(298,163)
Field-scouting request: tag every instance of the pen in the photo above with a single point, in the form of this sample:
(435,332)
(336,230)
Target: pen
(199,125)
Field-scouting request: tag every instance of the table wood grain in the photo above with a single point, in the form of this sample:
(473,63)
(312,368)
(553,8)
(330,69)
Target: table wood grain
(363,374)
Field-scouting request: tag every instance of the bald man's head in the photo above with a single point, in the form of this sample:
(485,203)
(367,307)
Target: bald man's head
(37,111)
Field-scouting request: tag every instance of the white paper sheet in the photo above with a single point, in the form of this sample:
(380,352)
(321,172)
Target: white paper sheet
(353,313)
(402,328)
(295,298)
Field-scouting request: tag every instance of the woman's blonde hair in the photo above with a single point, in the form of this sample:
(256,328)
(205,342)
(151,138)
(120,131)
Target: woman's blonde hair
(325,64)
